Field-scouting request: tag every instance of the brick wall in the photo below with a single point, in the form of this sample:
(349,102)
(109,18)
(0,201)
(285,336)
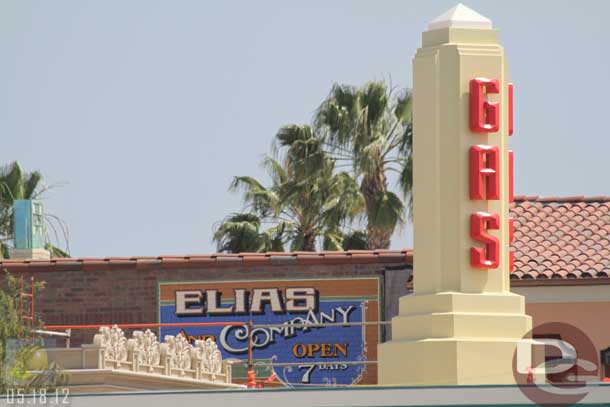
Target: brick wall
(108,293)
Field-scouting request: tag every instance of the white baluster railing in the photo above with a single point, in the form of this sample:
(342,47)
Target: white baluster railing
(175,357)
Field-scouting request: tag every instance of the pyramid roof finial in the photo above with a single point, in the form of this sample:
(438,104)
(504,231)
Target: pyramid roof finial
(460,16)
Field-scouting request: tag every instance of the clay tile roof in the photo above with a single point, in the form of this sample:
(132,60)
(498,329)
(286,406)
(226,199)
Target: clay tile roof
(555,238)
(212,260)
(576,233)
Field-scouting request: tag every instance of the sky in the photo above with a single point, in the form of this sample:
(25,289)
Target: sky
(140,112)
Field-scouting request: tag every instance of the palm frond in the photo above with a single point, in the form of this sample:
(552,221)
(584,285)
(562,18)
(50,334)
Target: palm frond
(297,241)
(275,236)
(238,233)
(11,177)
(332,240)
(56,251)
(386,211)
(374,98)
(338,114)
(355,240)
(262,200)
(276,171)
(403,107)
(405,182)
(31,184)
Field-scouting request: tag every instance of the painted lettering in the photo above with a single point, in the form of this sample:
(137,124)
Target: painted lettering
(185,301)
(300,299)
(213,302)
(322,350)
(266,295)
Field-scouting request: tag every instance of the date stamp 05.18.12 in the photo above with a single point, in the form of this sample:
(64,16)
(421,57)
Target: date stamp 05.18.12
(36,397)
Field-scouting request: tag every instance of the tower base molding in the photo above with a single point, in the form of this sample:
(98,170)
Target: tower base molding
(454,338)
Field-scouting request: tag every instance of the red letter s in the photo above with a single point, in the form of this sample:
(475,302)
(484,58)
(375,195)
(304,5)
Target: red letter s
(488,257)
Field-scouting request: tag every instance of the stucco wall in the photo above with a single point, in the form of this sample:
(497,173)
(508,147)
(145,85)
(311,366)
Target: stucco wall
(584,307)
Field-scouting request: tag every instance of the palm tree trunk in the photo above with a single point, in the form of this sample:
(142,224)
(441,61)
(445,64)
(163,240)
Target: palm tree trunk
(309,242)
(373,186)
(378,238)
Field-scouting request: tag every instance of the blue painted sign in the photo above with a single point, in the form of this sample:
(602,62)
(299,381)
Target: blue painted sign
(300,355)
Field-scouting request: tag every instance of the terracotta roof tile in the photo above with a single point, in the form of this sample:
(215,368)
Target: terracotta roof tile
(286,260)
(561,237)
(556,238)
(211,260)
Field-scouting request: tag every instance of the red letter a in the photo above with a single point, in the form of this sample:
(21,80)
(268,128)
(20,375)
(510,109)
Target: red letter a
(484,163)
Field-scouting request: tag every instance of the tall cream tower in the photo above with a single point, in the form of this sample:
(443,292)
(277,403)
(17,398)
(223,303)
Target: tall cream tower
(462,324)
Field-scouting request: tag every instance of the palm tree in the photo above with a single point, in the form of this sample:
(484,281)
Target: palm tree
(307,199)
(240,232)
(15,184)
(12,329)
(370,130)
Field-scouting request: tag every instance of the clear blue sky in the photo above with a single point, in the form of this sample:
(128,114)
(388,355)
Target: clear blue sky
(144,110)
